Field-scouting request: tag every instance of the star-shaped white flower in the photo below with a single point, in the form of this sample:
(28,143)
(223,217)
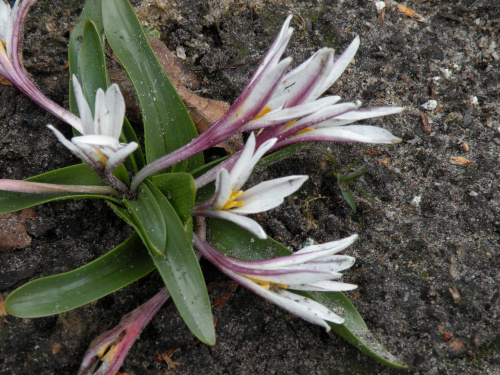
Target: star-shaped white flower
(99,146)
(313,268)
(231,203)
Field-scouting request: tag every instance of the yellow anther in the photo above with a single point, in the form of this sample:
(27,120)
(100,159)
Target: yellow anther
(3,47)
(265,284)
(102,351)
(103,159)
(110,354)
(290,123)
(231,202)
(264,111)
(305,130)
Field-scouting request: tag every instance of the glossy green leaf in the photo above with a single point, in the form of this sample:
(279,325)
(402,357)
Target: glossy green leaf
(231,239)
(56,294)
(75,175)
(355,330)
(167,125)
(149,220)
(179,267)
(91,11)
(180,190)
(93,63)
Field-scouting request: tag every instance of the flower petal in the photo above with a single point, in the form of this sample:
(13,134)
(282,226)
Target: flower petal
(324,286)
(338,67)
(360,114)
(222,188)
(83,108)
(119,156)
(115,106)
(286,115)
(349,133)
(268,194)
(245,164)
(245,222)
(277,48)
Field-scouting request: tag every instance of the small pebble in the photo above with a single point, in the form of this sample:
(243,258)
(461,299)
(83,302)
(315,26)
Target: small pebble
(416,201)
(430,105)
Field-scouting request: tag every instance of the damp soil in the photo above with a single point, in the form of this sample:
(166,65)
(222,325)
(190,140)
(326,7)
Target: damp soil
(428,253)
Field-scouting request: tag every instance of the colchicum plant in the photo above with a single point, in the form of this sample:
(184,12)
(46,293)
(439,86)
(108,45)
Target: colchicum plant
(161,187)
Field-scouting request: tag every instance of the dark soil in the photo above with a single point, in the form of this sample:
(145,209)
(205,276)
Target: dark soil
(428,253)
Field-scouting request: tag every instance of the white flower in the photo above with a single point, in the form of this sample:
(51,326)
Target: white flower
(311,269)
(231,203)
(8,18)
(99,146)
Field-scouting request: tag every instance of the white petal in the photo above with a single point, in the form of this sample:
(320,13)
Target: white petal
(288,114)
(243,162)
(222,188)
(268,194)
(308,309)
(83,108)
(276,50)
(298,277)
(97,141)
(100,113)
(312,312)
(324,286)
(245,168)
(282,92)
(334,246)
(320,116)
(115,105)
(360,114)
(250,225)
(118,157)
(338,67)
(308,82)
(349,133)
(262,88)
(69,145)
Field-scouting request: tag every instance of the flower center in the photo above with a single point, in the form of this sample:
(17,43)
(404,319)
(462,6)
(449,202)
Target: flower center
(232,202)
(265,284)
(103,159)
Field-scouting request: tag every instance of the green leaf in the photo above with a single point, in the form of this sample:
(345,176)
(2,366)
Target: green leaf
(75,175)
(93,64)
(180,190)
(347,194)
(91,11)
(56,294)
(180,269)
(355,330)
(167,125)
(233,240)
(149,220)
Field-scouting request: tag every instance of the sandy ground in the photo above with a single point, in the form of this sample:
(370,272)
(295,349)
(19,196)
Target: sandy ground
(428,253)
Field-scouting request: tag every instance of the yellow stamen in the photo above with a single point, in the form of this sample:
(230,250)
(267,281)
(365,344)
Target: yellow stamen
(305,130)
(290,123)
(103,159)
(265,284)
(231,202)
(110,354)
(3,47)
(102,351)
(264,111)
